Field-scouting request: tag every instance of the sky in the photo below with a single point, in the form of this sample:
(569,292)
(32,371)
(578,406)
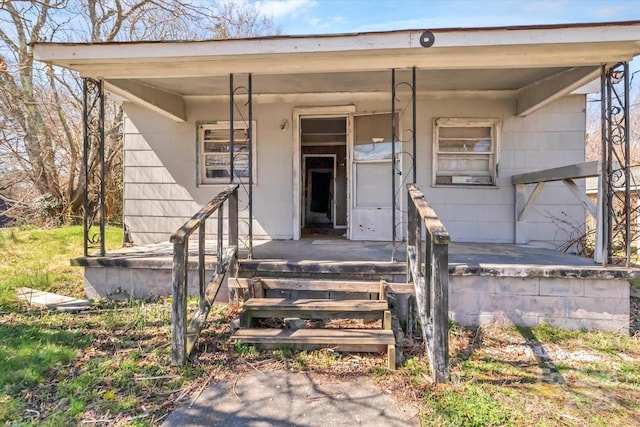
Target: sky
(342,16)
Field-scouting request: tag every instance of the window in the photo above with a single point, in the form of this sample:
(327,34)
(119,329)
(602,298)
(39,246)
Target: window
(214,152)
(465,152)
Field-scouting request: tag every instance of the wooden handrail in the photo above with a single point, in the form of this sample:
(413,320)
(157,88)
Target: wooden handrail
(183,336)
(429,272)
(207,210)
(580,170)
(432,222)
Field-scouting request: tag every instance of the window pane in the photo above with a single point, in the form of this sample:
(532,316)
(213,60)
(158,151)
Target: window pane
(465,154)
(465,132)
(374,186)
(241,165)
(462,145)
(448,165)
(215,152)
(218,173)
(222,134)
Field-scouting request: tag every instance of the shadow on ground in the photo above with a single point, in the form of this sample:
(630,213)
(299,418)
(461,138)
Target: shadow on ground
(293,399)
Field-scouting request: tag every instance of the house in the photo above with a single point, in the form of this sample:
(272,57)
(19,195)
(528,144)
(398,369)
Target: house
(323,133)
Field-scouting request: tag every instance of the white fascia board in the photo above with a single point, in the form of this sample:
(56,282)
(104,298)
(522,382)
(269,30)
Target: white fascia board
(488,57)
(59,53)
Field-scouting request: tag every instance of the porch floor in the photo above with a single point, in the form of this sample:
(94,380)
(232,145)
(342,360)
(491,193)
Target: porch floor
(487,259)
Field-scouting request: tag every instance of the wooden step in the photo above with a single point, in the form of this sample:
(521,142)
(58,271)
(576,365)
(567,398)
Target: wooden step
(351,269)
(315,308)
(346,340)
(323,285)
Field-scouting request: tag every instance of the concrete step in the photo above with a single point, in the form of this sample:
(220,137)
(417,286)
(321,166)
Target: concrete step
(344,340)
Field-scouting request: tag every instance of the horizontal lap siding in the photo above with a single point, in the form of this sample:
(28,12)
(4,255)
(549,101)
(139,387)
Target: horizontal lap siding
(160,167)
(551,137)
(557,215)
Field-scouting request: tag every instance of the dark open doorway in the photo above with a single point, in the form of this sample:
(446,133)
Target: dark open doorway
(324,177)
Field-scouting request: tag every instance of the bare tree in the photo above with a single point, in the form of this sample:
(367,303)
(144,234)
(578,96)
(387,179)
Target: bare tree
(40,105)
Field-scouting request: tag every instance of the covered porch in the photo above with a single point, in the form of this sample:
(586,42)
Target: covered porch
(488,283)
(517,90)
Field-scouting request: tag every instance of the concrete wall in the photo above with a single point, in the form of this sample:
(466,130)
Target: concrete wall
(570,303)
(141,283)
(160,189)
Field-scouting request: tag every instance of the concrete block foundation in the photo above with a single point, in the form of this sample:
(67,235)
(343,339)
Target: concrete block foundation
(571,303)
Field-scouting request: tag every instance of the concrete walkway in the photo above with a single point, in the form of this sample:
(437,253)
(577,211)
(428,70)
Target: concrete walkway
(281,398)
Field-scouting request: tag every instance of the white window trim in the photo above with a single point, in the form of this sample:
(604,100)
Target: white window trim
(493,123)
(201,179)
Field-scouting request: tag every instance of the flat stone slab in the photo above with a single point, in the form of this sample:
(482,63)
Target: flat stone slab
(52,301)
(294,399)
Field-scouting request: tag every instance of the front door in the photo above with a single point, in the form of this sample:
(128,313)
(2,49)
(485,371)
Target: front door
(371,171)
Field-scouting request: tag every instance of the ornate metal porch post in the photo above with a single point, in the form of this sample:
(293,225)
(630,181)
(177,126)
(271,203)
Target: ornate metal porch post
(93,172)
(394,138)
(247,119)
(616,162)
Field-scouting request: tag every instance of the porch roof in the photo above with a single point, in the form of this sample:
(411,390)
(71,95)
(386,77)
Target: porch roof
(536,64)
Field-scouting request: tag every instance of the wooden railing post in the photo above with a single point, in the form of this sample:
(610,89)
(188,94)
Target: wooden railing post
(183,336)
(179,305)
(413,222)
(440,311)
(220,236)
(429,272)
(201,255)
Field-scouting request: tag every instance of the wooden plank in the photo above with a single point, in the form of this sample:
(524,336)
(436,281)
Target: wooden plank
(421,293)
(531,201)
(166,103)
(386,321)
(211,291)
(255,287)
(382,294)
(440,314)
(315,305)
(521,198)
(314,314)
(52,301)
(180,279)
(391,357)
(580,170)
(356,270)
(315,336)
(433,224)
(194,222)
(542,92)
(322,285)
(580,195)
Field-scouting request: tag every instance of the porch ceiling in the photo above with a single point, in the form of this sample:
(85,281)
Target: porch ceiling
(369,81)
(539,63)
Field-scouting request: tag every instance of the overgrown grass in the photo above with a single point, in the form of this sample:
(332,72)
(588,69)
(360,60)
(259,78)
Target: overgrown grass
(543,376)
(39,259)
(59,368)
(113,363)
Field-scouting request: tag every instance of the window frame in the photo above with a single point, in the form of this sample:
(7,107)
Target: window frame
(492,155)
(201,168)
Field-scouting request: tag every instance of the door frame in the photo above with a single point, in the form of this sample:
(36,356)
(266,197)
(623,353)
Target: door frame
(299,113)
(333,181)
